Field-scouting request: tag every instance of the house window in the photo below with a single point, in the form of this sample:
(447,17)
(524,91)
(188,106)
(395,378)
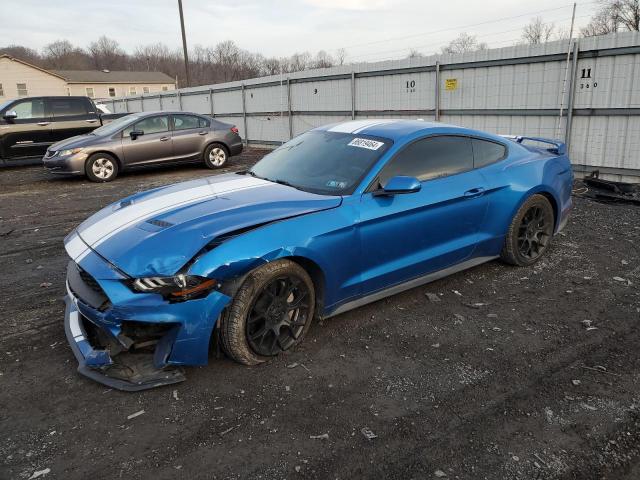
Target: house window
(1,91)
(22,89)
(89,92)
(112,91)
(165,88)
(145,89)
(132,90)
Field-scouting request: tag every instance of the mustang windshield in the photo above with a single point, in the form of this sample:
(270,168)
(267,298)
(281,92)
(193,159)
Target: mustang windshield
(324,162)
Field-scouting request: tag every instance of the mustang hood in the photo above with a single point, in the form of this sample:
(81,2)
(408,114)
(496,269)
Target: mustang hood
(157,232)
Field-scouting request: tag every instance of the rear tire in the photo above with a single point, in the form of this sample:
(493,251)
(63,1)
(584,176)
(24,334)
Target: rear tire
(216,155)
(101,167)
(530,232)
(270,313)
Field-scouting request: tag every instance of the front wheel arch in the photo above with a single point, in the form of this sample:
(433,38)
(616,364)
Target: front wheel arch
(116,157)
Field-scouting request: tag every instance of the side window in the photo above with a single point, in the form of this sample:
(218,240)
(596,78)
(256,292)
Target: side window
(112,91)
(149,125)
(185,122)
(29,109)
(68,107)
(485,152)
(431,158)
(203,122)
(22,89)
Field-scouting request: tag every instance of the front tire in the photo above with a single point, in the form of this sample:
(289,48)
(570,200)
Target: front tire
(530,232)
(271,313)
(101,167)
(216,156)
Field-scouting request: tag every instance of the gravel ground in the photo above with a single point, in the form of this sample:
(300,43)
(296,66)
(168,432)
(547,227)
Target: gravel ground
(496,372)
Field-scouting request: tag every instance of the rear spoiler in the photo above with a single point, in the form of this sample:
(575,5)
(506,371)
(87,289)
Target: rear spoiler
(558,148)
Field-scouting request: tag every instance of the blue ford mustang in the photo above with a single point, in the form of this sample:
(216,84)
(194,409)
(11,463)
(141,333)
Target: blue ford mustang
(338,217)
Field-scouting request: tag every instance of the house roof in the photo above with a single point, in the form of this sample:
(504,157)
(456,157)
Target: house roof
(14,59)
(113,76)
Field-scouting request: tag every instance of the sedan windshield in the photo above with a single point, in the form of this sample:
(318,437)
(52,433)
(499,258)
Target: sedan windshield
(324,162)
(113,127)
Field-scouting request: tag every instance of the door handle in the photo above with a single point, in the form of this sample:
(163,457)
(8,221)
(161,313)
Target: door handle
(202,133)
(164,139)
(474,192)
(93,120)
(43,124)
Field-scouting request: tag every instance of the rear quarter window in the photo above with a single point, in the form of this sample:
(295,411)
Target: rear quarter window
(486,152)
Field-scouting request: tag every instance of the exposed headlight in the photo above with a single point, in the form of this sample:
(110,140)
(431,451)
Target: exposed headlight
(71,151)
(176,288)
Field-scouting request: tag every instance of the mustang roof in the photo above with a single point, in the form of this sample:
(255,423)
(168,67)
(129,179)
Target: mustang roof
(395,129)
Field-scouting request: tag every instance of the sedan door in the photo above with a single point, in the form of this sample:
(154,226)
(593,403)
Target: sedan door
(29,134)
(410,235)
(189,136)
(71,116)
(153,146)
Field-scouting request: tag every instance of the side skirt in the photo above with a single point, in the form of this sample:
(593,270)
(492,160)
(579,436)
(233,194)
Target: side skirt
(416,282)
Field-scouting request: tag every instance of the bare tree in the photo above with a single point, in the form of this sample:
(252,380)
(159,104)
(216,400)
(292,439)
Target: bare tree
(208,64)
(613,16)
(341,55)
(322,60)
(537,31)
(62,55)
(107,54)
(413,53)
(463,43)
(23,53)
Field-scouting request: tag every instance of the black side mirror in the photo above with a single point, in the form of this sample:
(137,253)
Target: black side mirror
(135,134)
(10,115)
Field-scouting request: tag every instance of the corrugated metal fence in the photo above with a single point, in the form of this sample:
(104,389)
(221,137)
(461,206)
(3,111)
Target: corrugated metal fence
(514,90)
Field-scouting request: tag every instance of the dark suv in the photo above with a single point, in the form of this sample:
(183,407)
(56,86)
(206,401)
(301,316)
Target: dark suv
(28,126)
(144,139)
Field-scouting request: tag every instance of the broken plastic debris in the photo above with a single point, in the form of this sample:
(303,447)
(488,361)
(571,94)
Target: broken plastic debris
(368,434)
(39,473)
(439,474)
(324,436)
(134,415)
(175,395)
(433,298)
(576,382)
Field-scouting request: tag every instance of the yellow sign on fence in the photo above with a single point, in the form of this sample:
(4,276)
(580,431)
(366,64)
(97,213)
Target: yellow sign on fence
(450,83)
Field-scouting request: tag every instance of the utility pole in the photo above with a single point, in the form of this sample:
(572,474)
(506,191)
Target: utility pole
(566,73)
(184,44)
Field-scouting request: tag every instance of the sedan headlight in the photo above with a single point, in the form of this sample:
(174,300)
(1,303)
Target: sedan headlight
(71,151)
(176,288)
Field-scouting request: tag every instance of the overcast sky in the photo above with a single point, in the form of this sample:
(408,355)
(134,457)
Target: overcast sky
(367,29)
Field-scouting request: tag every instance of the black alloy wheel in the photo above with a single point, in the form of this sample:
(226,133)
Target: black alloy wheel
(278,315)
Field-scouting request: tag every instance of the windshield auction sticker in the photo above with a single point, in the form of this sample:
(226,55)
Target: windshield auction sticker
(365,143)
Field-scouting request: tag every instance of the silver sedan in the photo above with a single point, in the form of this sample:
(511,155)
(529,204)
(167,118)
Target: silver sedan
(144,139)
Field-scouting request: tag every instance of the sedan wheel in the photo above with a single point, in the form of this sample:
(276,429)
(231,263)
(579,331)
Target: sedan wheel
(270,313)
(101,167)
(215,156)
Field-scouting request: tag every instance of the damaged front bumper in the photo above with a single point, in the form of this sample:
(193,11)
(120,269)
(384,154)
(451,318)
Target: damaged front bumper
(132,341)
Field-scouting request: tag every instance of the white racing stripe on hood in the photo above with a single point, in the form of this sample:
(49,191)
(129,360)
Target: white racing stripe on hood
(74,246)
(356,126)
(121,218)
